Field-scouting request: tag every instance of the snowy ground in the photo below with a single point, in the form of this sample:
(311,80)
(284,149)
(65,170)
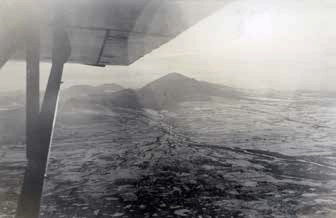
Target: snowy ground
(250,158)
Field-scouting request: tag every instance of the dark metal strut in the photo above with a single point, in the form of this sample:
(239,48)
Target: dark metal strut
(40,124)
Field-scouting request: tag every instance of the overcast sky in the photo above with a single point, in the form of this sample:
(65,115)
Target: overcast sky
(279,44)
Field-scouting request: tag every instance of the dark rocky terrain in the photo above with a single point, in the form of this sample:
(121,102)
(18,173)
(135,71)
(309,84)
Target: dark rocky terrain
(223,155)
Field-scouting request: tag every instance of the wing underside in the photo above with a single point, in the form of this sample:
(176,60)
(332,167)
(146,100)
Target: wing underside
(119,32)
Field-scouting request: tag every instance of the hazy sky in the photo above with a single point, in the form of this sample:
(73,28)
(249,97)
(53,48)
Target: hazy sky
(280,44)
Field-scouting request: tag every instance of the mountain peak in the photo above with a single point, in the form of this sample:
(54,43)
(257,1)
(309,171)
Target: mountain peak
(173,88)
(174,76)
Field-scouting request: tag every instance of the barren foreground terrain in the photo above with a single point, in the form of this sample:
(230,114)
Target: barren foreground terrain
(253,157)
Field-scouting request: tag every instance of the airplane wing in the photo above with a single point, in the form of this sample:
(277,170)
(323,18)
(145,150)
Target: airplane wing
(119,32)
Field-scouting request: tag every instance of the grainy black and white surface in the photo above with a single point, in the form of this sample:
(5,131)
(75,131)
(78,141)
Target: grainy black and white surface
(225,153)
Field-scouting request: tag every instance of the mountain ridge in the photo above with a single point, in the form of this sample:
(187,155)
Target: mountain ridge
(163,93)
(173,88)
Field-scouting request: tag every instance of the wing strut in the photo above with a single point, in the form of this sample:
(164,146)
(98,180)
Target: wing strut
(40,123)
